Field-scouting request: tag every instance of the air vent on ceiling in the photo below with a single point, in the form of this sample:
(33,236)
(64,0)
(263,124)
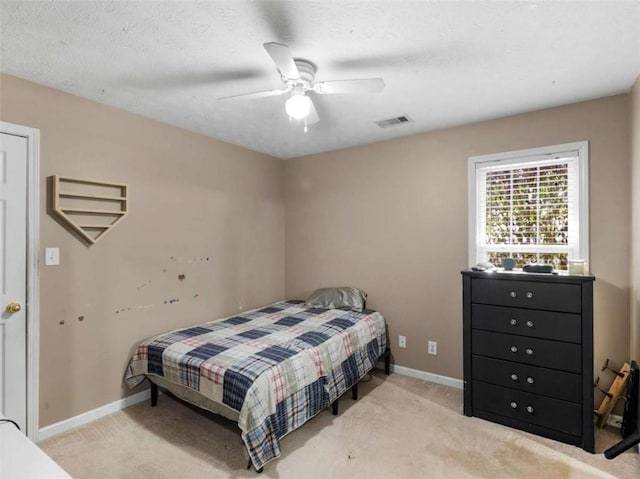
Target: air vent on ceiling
(398,120)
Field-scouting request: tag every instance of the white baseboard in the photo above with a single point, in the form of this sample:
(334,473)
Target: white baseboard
(119,405)
(76,421)
(614,420)
(425,376)
(79,420)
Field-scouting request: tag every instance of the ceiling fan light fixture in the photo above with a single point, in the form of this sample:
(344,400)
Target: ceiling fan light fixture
(298,106)
(298,76)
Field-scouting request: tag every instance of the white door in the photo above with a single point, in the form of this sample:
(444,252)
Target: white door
(13,278)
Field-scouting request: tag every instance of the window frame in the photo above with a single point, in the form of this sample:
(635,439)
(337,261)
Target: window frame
(578,149)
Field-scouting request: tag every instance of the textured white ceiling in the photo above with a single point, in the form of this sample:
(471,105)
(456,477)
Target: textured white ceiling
(445,63)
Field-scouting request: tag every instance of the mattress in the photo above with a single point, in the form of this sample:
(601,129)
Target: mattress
(274,367)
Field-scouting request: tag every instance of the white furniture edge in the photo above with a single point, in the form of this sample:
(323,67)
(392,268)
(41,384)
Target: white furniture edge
(33,273)
(115,406)
(21,458)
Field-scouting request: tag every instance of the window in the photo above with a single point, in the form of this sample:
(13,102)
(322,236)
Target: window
(530,205)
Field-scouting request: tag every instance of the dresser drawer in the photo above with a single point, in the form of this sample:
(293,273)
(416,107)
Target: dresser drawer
(534,351)
(543,411)
(527,294)
(527,322)
(532,379)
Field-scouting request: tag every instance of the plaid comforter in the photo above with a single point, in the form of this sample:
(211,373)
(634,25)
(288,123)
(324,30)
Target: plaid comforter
(276,366)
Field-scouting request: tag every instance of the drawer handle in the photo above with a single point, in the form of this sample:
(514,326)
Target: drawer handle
(514,377)
(529,324)
(530,409)
(513,294)
(529,295)
(514,349)
(530,380)
(514,405)
(513,321)
(529,352)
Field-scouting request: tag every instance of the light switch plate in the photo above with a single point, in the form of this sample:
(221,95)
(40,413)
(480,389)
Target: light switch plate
(51,256)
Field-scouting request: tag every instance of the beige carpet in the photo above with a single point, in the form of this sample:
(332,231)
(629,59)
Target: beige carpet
(399,428)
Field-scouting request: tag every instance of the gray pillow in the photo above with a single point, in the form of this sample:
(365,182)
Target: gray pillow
(337,298)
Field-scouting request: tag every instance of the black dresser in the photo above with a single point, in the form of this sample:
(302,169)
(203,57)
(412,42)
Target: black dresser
(528,352)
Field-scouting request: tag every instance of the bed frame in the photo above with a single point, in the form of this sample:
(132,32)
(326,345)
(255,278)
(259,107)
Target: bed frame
(334,405)
(254,364)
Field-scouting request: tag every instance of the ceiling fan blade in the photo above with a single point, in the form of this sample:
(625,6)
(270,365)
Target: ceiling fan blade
(281,56)
(257,94)
(363,85)
(312,117)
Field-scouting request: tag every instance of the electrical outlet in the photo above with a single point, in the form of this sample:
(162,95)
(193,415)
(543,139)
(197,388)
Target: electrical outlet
(433,348)
(402,341)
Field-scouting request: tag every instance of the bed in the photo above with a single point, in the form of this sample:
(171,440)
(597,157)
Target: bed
(270,369)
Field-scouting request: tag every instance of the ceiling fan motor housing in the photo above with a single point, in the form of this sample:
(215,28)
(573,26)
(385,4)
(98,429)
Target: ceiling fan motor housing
(307,72)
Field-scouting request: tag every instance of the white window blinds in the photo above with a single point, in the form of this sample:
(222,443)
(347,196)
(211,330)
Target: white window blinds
(528,208)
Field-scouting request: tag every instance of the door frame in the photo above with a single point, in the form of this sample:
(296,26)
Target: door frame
(33,273)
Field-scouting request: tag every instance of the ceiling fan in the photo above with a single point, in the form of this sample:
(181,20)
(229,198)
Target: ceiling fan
(298,76)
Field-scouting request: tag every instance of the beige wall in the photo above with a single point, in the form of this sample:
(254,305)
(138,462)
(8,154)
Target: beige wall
(199,207)
(634,148)
(391,218)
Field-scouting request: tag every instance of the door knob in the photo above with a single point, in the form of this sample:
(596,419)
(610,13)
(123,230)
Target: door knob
(13,308)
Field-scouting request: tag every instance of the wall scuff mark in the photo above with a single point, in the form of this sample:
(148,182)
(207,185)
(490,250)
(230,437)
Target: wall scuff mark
(126,310)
